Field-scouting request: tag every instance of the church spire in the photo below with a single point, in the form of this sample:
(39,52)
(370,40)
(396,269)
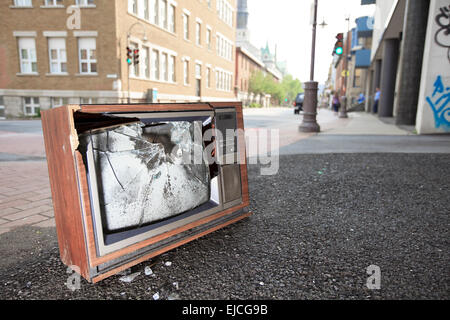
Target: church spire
(242,15)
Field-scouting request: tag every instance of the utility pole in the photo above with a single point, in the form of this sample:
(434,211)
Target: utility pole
(344,99)
(309,123)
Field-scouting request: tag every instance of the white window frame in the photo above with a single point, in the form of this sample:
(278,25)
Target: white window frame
(85,3)
(208,76)
(198,70)
(186,72)
(61,56)
(208,37)
(88,60)
(133,6)
(54,3)
(163,14)
(172,69)
(58,101)
(186,31)
(145,58)
(171,17)
(164,67)
(155,64)
(198,33)
(154,11)
(134,69)
(2,107)
(23,3)
(29,59)
(35,107)
(84,100)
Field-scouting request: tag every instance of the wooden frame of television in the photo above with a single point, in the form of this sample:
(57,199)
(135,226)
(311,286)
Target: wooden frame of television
(71,200)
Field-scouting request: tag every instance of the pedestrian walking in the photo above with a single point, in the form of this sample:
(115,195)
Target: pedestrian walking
(336,103)
(377,98)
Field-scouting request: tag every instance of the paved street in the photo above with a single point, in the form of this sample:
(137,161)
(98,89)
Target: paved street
(340,202)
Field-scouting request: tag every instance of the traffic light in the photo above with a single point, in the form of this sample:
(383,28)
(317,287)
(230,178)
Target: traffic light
(136,56)
(129,56)
(339,45)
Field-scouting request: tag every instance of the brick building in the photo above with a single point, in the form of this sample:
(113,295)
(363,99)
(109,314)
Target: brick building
(55,52)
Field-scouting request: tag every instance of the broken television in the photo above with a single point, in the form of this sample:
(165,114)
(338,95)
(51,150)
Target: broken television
(152,172)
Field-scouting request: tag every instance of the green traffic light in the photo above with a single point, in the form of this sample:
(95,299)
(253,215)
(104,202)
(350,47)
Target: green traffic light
(339,50)
(129,61)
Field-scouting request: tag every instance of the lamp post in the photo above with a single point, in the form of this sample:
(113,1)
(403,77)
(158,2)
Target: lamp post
(128,45)
(309,123)
(344,100)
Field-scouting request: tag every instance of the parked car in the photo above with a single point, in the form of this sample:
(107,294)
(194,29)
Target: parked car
(298,103)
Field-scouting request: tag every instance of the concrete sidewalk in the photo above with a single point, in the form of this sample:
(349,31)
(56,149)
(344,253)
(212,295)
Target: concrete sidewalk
(25,197)
(362,123)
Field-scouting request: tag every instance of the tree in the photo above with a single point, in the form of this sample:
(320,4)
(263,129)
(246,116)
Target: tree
(261,83)
(291,87)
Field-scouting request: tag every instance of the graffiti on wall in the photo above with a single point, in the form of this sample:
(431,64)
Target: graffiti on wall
(440,104)
(442,36)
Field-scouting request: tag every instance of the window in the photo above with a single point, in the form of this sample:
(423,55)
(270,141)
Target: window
(2,108)
(208,77)
(186,26)
(154,5)
(224,80)
(134,68)
(171,18)
(163,14)
(198,31)
(172,76)
(224,47)
(155,64)
(23,3)
(208,38)
(357,78)
(88,100)
(186,72)
(164,67)
(145,62)
(27,54)
(57,54)
(146,10)
(58,102)
(87,55)
(31,106)
(85,2)
(198,70)
(53,3)
(133,6)
(225,11)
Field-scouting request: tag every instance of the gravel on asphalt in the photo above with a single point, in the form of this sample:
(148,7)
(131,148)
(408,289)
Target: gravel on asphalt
(317,226)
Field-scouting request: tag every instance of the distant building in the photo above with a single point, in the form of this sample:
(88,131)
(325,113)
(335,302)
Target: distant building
(49,58)
(250,59)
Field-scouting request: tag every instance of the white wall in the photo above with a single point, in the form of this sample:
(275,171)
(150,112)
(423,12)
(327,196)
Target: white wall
(383,13)
(436,65)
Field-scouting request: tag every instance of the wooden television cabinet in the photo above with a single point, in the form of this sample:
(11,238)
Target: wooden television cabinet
(78,232)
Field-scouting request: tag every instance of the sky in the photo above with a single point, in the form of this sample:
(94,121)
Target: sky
(287,24)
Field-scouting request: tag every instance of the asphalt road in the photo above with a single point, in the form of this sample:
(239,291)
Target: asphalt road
(21,126)
(317,226)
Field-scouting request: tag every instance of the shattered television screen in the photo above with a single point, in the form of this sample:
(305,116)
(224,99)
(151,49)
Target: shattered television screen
(147,172)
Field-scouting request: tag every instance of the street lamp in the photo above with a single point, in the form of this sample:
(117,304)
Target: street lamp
(128,46)
(344,100)
(309,123)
